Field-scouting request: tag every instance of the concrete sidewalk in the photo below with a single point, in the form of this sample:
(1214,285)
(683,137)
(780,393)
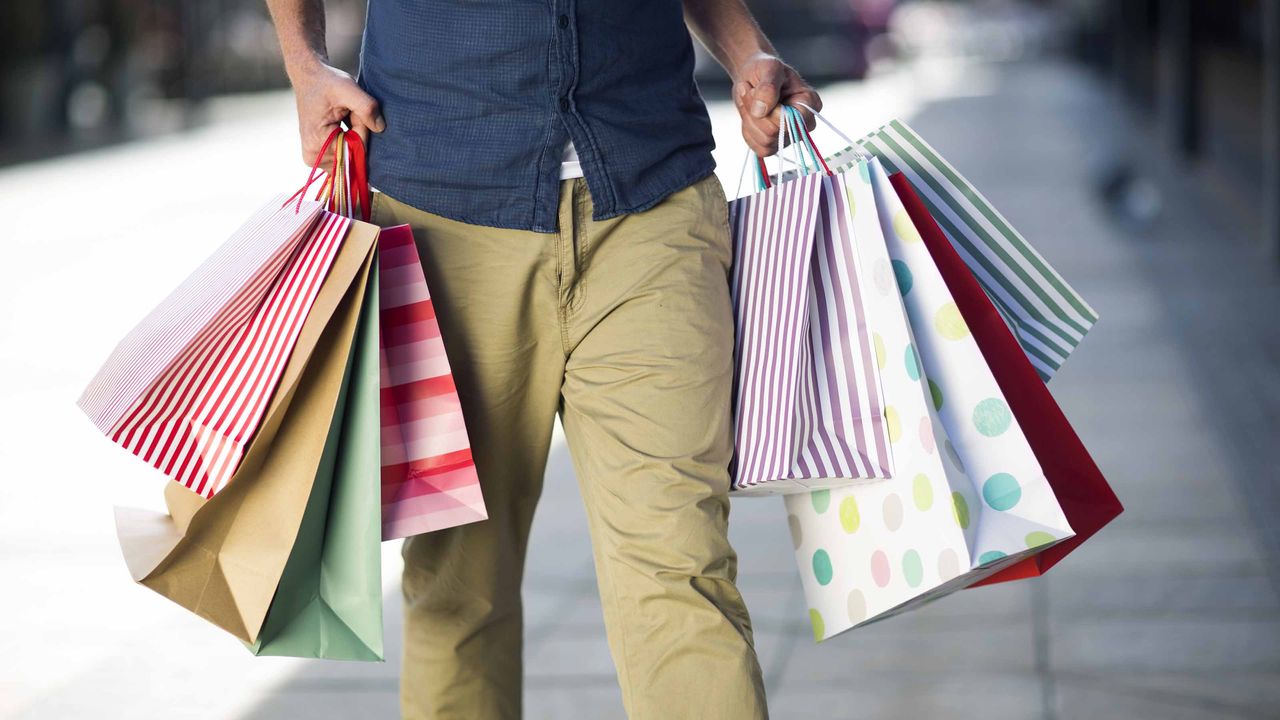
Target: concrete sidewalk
(1170,613)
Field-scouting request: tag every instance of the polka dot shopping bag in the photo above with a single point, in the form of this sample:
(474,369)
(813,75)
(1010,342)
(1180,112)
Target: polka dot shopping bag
(969,497)
(1084,493)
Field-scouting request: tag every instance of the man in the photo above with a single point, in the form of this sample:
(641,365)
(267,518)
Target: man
(554,160)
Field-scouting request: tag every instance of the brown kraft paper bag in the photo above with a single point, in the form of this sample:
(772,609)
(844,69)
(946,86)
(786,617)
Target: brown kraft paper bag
(222,558)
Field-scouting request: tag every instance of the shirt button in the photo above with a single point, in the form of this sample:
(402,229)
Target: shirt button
(564,104)
(564,21)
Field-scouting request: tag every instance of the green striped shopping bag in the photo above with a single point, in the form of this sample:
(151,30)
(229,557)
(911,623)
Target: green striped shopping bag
(1047,316)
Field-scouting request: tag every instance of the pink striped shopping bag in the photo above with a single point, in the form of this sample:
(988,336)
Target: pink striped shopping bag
(428,478)
(185,389)
(809,411)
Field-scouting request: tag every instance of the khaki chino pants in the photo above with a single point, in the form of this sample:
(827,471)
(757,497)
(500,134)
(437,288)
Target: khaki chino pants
(624,328)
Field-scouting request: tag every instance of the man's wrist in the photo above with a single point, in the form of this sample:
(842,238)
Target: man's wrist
(305,65)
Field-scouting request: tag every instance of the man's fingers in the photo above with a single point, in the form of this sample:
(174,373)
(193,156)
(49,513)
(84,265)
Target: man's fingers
(362,131)
(763,98)
(804,97)
(309,159)
(767,88)
(801,93)
(741,90)
(325,101)
(312,143)
(310,151)
(761,136)
(760,132)
(767,82)
(757,148)
(364,109)
(755,140)
(326,162)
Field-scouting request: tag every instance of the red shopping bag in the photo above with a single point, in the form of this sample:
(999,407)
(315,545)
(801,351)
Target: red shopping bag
(1086,498)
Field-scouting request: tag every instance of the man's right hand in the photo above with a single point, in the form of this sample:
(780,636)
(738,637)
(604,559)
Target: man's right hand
(326,96)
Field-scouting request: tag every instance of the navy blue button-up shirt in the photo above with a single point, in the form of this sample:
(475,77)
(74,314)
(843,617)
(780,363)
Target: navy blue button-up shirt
(480,97)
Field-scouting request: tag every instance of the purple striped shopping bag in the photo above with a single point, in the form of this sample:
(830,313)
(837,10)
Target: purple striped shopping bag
(809,411)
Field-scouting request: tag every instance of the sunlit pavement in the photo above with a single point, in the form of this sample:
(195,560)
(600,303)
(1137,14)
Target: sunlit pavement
(1170,613)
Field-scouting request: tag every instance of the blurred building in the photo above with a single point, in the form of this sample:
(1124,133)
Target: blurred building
(825,40)
(76,73)
(1205,77)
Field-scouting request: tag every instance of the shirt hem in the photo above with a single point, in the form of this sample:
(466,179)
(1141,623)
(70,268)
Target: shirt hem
(700,173)
(704,169)
(463,218)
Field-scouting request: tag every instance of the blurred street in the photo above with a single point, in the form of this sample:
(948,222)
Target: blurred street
(1173,612)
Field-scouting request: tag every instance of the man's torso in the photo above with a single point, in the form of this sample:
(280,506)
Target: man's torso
(481,97)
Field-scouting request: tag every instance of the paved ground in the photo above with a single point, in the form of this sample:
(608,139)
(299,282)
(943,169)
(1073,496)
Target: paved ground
(1171,613)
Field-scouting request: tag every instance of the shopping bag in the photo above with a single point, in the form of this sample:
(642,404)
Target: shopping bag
(1048,317)
(808,408)
(429,478)
(329,600)
(1086,499)
(187,388)
(969,498)
(223,559)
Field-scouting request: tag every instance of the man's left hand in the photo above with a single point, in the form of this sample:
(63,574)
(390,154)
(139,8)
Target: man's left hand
(764,82)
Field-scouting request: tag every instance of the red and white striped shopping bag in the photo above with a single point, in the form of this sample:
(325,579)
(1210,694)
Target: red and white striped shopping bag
(428,478)
(809,411)
(186,389)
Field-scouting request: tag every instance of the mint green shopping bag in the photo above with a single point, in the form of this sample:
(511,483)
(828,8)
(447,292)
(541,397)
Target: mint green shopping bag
(329,601)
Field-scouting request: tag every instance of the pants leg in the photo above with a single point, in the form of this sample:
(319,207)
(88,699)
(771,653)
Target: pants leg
(639,307)
(648,327)
(494,292)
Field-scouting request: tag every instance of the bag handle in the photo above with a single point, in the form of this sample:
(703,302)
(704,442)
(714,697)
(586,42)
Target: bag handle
(857,149)
(791,126)
(345,189)
(760,171)
(799,130)
(358,179)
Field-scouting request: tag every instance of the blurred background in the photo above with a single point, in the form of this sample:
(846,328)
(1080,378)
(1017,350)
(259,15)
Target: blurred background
(1136,143)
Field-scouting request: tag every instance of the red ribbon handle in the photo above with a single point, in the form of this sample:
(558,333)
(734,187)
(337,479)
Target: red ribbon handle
(315,167)
(358,187)
(356,180)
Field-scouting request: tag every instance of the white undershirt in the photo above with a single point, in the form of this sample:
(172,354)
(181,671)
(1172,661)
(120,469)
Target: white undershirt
(570,168)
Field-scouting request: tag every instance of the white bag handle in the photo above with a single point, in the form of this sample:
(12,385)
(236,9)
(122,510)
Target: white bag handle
(857,149)
(784,132)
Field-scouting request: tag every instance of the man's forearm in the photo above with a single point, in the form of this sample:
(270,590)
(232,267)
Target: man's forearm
(761,81)
(327,97)
(728,31)
(300,27)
